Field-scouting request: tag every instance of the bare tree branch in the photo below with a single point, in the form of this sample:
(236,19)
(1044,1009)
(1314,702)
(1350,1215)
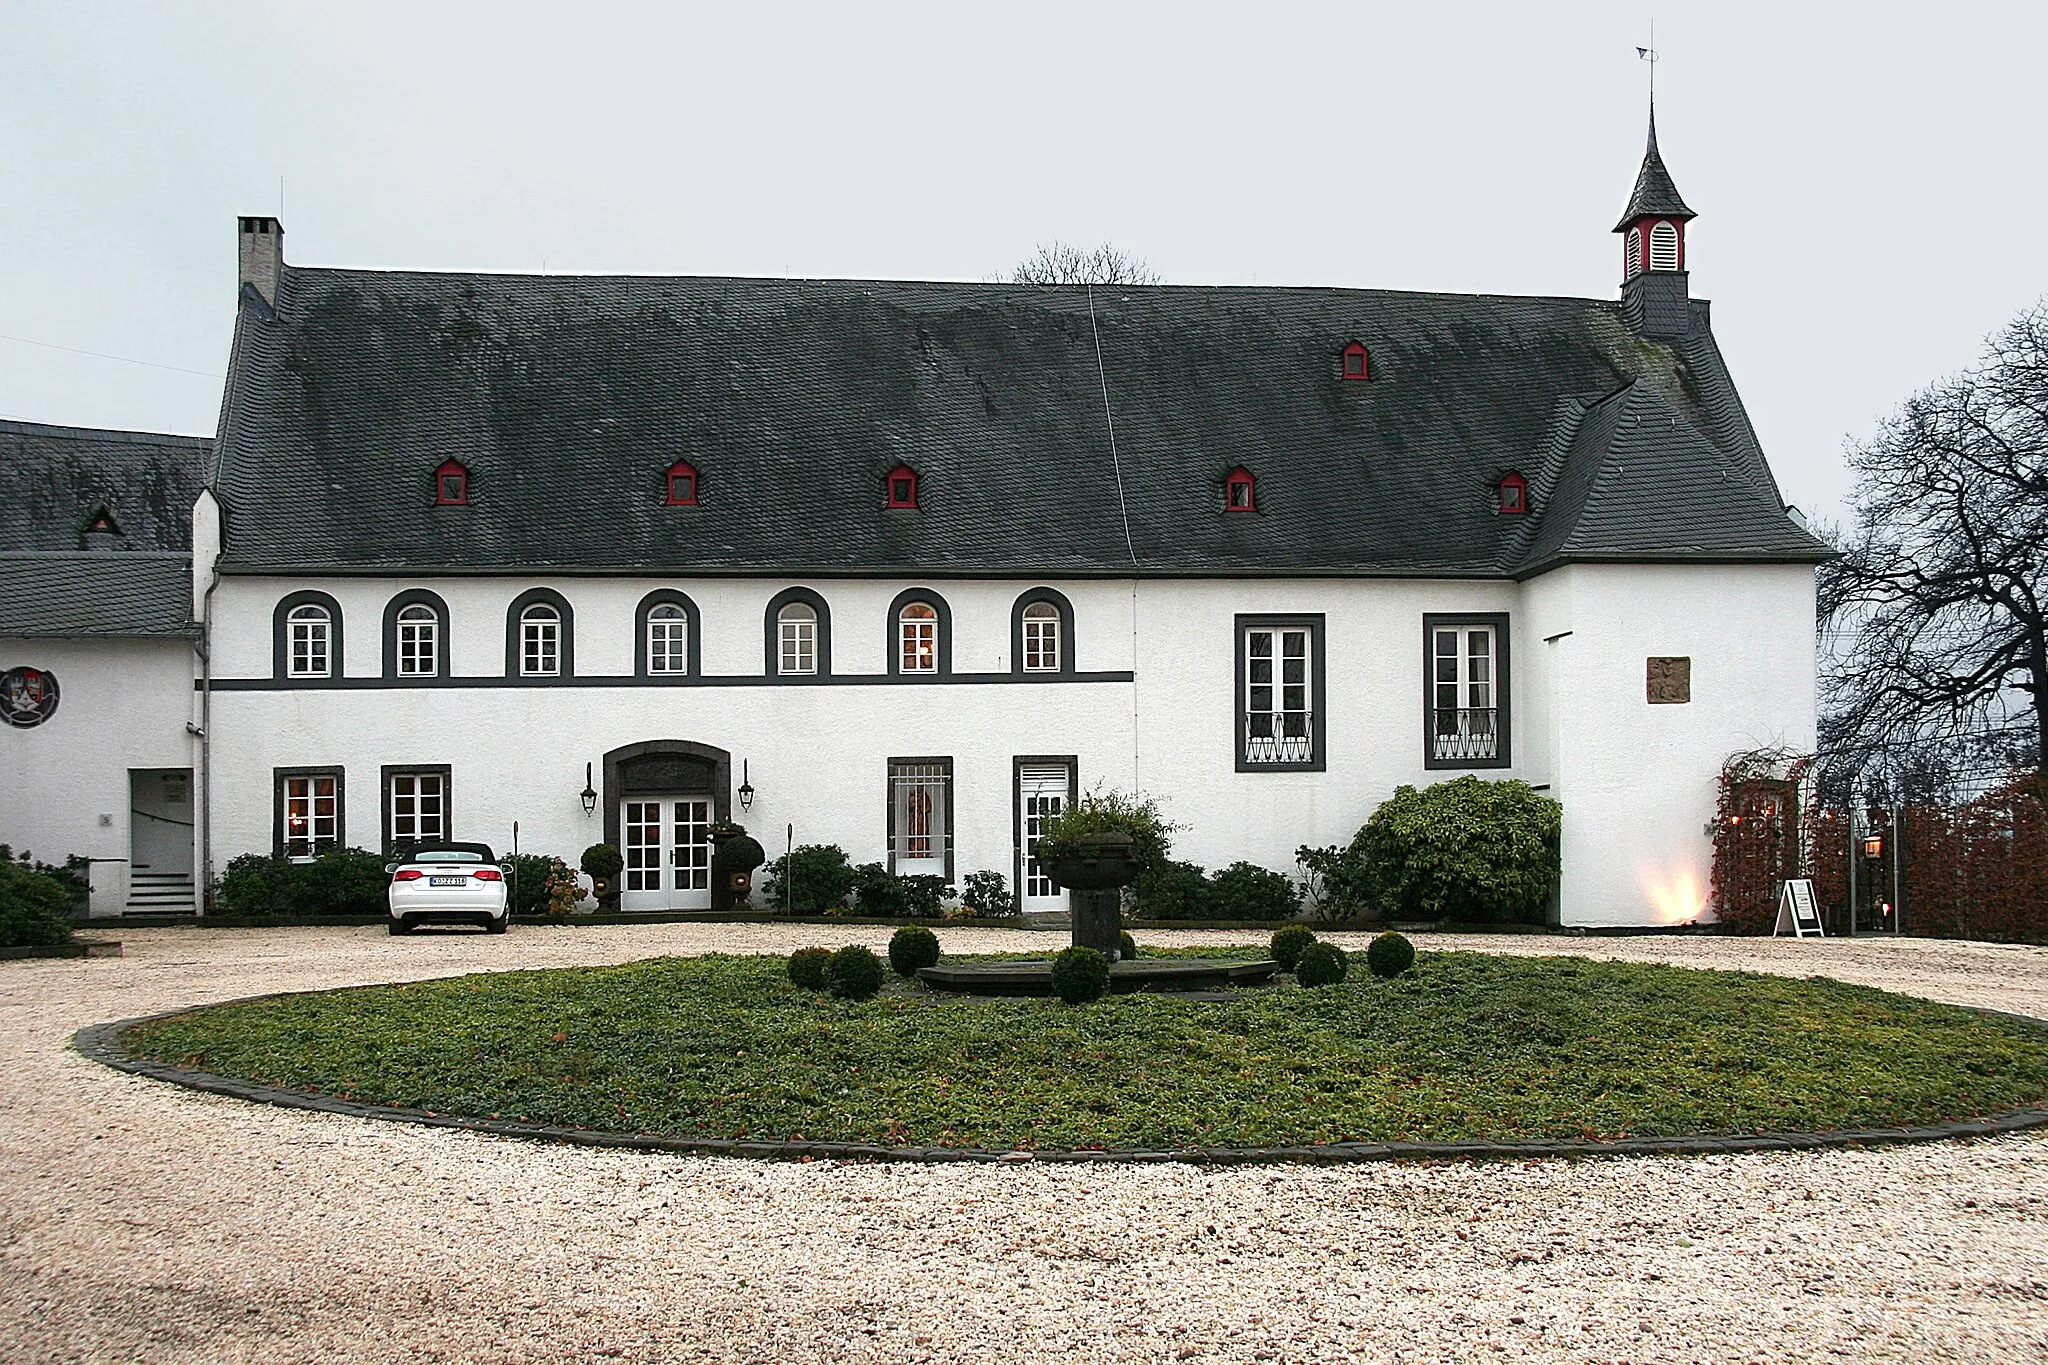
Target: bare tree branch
(1060,262)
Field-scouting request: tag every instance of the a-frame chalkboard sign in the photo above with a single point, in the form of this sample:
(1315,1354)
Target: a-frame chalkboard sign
(1797,911)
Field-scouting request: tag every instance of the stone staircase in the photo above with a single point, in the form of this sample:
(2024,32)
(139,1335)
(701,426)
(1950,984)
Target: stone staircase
(160,891)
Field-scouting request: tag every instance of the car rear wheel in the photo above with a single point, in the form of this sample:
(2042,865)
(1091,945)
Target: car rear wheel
(497,926)
(399,928)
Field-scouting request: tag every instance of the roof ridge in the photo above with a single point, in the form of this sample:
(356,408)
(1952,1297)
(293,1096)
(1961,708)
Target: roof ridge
(51,432)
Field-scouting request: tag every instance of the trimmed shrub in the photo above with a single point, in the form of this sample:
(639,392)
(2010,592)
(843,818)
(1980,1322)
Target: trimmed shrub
(1321,964)
(987,894)
(1126,946)
(1389,955)
(254,884)
(854,973)
(341,881)
(925,897)
(1288,944)
(603,862)
(1463,850)
(1079,975)
(35,907)
(1247,891)
(808,966)
(1174,891)
(529,875)
(878,891)
(809,880)
(911,947)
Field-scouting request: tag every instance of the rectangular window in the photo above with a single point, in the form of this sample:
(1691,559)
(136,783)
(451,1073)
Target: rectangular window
(1465,691)
(668,642)
(418,645)
(415,806)
(798,638)
(308,812)
(309,644)
(1041,641)
(1279,692)
(540,652)
(921,817)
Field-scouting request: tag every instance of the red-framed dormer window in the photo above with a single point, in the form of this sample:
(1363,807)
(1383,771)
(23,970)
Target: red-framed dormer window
(451,485)
(682,484)
(1240,493)
(1357,361)
(901,488)
(1514,494)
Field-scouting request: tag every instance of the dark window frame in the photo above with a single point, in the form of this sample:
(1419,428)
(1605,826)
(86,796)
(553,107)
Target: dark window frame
(1355,350)
(565,645)
(1237,478)
(277,802)
(890,500)
(943,635)
(390,770)
(1503,678)
(1017,766)
(460,471)
(772,633)
(1513,480)
(683,468)
(281,642)
(1058,600)
(1318,690)
(411,597)
(889,804)
(694,649)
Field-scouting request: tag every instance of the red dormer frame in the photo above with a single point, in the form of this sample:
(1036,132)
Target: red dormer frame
(1240,491)
(682,484)
(1357,361)
(451,484)
(900,489)
(1514,494)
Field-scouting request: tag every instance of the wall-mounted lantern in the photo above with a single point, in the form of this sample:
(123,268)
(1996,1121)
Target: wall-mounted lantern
(589,792)
(746,787)
(1873,845)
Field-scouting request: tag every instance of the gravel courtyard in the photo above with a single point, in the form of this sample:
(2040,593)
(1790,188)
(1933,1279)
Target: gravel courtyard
(139,1221)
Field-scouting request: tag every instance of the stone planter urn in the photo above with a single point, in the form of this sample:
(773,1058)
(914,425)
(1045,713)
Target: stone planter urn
(1096,868)
(732,866)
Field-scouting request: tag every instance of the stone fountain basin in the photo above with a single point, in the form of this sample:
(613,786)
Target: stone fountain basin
(1147,974)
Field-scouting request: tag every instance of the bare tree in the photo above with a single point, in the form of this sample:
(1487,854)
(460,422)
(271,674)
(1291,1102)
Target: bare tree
(1060,262)
(1938,607)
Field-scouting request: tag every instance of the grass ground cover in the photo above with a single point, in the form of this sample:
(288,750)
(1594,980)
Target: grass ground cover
(1465,1046)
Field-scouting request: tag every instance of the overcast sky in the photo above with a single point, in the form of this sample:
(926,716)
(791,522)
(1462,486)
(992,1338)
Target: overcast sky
(1868,178)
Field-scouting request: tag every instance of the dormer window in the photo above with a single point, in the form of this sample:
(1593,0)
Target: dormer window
(1357,361)
(682,484)
(451,485)
(1239,495)
(1514,493)
(902,488)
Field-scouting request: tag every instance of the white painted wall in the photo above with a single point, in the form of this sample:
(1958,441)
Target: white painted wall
(64,784)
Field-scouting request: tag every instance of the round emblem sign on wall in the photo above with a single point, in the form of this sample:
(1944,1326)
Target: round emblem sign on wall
(28,696)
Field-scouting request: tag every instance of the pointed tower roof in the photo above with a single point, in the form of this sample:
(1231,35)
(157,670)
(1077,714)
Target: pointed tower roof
(1655,196)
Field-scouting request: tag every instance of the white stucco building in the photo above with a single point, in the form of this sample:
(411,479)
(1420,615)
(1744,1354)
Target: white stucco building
(897,566)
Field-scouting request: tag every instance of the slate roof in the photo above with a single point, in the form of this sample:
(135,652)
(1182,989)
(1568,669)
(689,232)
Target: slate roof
(568,398)
(89,593)
(54,480)
(1654,194)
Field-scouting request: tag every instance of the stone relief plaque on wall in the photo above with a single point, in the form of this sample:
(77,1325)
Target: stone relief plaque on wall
(1670,680)
(28,696)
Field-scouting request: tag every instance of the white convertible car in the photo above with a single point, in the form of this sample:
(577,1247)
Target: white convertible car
(448,883)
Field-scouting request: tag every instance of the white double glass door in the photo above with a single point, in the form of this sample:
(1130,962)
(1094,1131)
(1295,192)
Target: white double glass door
(1041,792)
(666,841)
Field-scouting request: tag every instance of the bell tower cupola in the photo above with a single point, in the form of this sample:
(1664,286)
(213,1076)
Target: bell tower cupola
(1654,293)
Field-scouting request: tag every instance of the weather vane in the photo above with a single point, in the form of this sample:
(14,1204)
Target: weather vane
(1649,54)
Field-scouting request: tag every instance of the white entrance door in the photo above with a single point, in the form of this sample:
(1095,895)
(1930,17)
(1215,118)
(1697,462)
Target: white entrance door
(666,841)
(1041,791)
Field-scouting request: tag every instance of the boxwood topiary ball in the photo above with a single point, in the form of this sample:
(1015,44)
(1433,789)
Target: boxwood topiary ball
(911,947)
(1390,955)
(1288,944)
(1321,964)
(1080,975)
(1126,946)
(855,973)
(807,967)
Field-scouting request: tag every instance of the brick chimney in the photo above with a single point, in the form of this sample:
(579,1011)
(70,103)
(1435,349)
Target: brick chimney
(260,255)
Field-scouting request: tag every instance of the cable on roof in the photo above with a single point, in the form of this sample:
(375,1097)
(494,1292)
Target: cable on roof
(1123,511)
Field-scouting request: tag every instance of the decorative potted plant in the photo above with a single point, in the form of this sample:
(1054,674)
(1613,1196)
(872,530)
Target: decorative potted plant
(735,856)
(1102,842)
(604,862)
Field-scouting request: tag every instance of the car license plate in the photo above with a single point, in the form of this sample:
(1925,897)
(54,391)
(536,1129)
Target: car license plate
(446,881)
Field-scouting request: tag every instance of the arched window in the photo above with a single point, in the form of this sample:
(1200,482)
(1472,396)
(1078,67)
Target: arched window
(451,484)
(1239,492)
(796,638)
(1514,493)
(668,639)
(902,488)
(309,639)
(419,641)
(1041,638)
(682,484)
(917,638)
(667,643)
(540,641)
(1633,265)
(1663,247)
(1357,362)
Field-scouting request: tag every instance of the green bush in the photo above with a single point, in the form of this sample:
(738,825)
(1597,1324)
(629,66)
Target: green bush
(808,968)
(1175,891)
(879,892)
(1463,850)
(1335,885)
(1288,944)
(911,947)
(987,894)
(1321,964)
(1126,946)
(1246,891)
(1389,955)
(1079,975)
(854,973)
(925,896)
(341,881)
(74,874)
(35,907)
(527,876)
(1109,813)
(255,884)
(603,862)
(809,880)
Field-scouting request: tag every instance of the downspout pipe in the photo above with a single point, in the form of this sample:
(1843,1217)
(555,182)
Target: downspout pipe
(205,648)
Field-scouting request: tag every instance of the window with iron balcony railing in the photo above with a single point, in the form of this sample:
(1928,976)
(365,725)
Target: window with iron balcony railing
(1280,737)
(1465,733)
